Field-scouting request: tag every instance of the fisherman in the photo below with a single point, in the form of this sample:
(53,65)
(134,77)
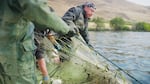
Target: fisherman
(17,63)
(40,52)
(77,18)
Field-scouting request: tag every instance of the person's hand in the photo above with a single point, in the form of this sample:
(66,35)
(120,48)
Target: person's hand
(72,32)
(46,80)
(90,46)
(56,60)
(76,30)
(57,46)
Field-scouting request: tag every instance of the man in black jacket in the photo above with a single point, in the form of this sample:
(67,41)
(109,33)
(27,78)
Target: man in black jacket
(77,18)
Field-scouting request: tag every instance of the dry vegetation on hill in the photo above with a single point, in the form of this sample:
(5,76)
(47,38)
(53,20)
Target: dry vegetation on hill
(107,9)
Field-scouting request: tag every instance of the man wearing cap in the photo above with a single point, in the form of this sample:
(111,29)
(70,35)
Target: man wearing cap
(77,18)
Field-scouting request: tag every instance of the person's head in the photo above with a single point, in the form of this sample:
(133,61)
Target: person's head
(89,9)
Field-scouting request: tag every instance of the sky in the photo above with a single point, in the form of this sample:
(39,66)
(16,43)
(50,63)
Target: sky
(141,2)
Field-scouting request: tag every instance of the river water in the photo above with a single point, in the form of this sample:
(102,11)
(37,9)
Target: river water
(128,50)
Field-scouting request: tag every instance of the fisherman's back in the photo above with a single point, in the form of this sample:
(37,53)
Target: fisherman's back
(16,46)
(14,27)
(17,38)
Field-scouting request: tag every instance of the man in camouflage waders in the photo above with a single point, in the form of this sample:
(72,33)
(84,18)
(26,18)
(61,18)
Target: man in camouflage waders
(17,63)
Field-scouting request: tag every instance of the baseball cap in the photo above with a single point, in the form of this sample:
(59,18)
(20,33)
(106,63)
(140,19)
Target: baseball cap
(90,4)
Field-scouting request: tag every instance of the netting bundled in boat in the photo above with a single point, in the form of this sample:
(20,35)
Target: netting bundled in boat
(80,64)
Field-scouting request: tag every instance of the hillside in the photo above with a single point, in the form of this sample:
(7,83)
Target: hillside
(107,9)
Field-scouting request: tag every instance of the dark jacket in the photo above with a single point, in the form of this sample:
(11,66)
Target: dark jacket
(75,18)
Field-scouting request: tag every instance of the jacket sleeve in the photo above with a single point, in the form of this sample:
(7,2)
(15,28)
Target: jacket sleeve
(85,35)
(38,11)
(70,16)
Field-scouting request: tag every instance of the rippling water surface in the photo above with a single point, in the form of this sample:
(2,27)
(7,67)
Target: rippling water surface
(129,50)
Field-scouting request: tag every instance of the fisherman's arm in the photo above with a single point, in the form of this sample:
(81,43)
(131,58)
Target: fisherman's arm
(38,11)
(85,35)
(70,16)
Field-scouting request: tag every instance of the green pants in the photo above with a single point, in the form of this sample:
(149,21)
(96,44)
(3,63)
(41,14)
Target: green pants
(17,65)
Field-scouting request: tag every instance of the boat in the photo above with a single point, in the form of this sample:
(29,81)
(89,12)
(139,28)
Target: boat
(79,64)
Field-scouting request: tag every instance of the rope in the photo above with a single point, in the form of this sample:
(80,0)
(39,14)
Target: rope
(51,74)
(118,67)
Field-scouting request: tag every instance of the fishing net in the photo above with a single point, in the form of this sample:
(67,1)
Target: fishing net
(80,64)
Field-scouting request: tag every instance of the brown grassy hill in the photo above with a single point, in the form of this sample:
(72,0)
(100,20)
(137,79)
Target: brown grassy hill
(107,9)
